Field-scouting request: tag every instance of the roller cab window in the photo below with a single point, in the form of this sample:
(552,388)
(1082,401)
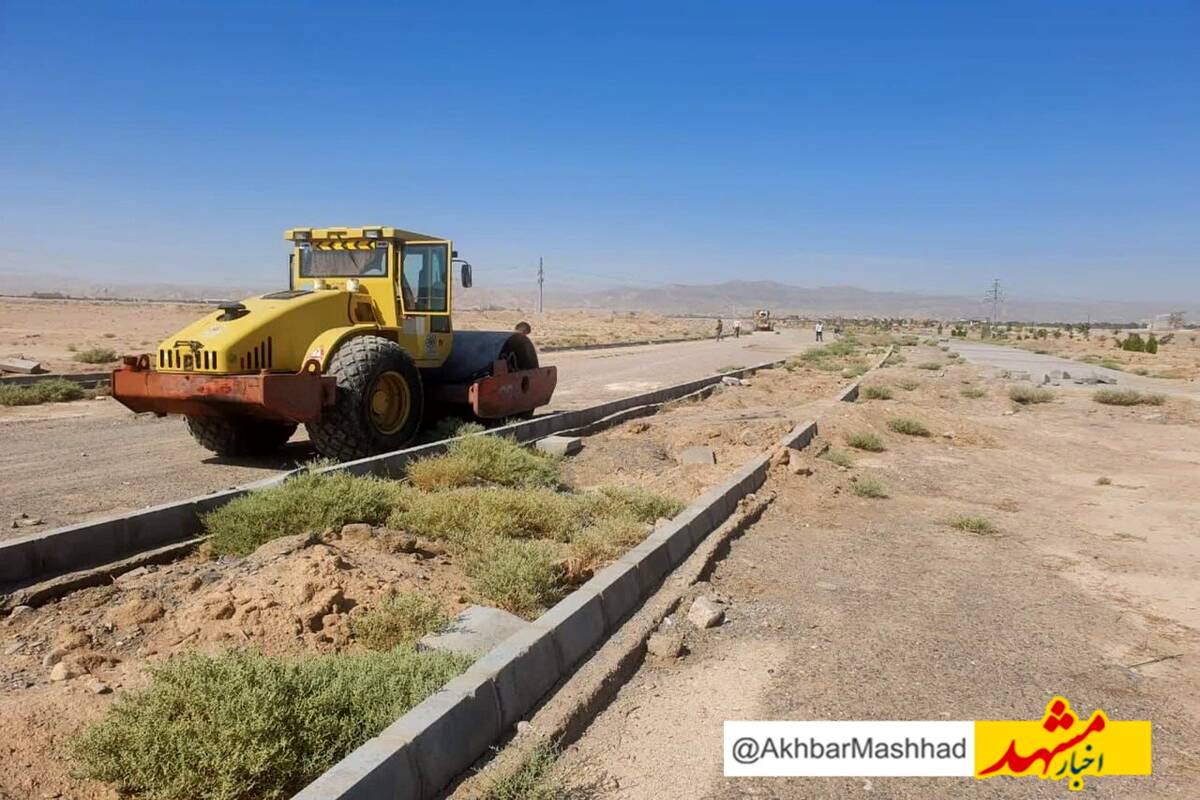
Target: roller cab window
(425,277)
(358,263)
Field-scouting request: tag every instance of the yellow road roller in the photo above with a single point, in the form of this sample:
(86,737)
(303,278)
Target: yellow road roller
(360,348)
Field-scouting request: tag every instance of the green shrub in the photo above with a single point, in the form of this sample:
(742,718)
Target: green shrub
(839,457)
(868,487)
(1152,345)
(909,427)
(523,577)
(605,540)
(973,524)
(875,393)
(1127,397)
(398,619)
(470,516)
(484,459)
(930,365)
(973,392)
(865,441)
(51,390)
(97,355)
(535,780)
(1134,344)
(308,502)
(907,384)
(1029,395)
(633,501)
(241,726)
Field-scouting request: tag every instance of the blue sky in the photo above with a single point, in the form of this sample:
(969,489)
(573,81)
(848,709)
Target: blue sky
(923,146)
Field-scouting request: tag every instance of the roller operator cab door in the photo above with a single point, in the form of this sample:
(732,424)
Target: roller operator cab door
(425,279)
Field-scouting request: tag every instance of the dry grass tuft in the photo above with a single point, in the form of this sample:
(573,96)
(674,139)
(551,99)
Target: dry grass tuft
(909,427)
(1029,395)
(839,457)
(398,619)
(97,355)
(1128,397)
(869,487)
(865,441)
(973,524)
(484,459)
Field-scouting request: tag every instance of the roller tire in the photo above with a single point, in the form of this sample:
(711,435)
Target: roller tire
(240,436)
(345,431)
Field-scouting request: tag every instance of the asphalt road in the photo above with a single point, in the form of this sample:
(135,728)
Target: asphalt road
(67,462)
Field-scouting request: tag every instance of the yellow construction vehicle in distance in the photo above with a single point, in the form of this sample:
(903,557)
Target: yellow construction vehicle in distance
(360,348)
(763,321)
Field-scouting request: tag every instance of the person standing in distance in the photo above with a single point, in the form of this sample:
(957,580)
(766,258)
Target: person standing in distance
(720,328)
(820,329)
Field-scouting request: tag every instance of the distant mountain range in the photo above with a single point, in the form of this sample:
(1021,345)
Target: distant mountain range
(721,299)
(742,296)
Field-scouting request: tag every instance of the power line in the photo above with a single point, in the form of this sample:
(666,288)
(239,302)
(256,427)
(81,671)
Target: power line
(541,280)
(995,296)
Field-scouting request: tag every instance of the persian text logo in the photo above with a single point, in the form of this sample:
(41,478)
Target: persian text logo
(1060,746)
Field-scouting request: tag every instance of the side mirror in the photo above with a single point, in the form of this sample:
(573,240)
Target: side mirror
(466,275)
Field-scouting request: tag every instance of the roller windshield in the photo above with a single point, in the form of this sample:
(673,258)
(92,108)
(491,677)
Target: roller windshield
(316,263)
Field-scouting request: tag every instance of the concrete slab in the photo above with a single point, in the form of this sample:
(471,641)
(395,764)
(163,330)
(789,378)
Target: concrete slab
(560,445)
(698,455)
(476,630)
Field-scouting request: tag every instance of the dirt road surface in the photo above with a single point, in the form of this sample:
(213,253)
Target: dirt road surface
(66,462)
(998,358)
(844,607)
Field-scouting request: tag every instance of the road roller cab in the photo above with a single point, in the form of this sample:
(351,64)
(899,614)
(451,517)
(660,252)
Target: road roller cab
(360,348)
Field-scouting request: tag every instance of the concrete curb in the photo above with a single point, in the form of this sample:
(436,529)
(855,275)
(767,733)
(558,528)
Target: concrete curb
(850,393)
(450,730)
(614,345)
(440,741)
(35,557)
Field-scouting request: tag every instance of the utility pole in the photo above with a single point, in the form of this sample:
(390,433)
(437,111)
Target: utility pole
(541,280)
(995,296)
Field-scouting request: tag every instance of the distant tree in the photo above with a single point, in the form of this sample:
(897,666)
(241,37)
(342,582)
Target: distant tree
(1134,344)
(1152,344)
(1175,319)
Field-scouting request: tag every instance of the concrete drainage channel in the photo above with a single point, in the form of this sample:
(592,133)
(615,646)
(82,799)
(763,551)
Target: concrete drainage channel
(421,753)
(39,566)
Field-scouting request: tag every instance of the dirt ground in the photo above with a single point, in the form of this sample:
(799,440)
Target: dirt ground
(119,461)
(46,330)
(299,593)
(843,607)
